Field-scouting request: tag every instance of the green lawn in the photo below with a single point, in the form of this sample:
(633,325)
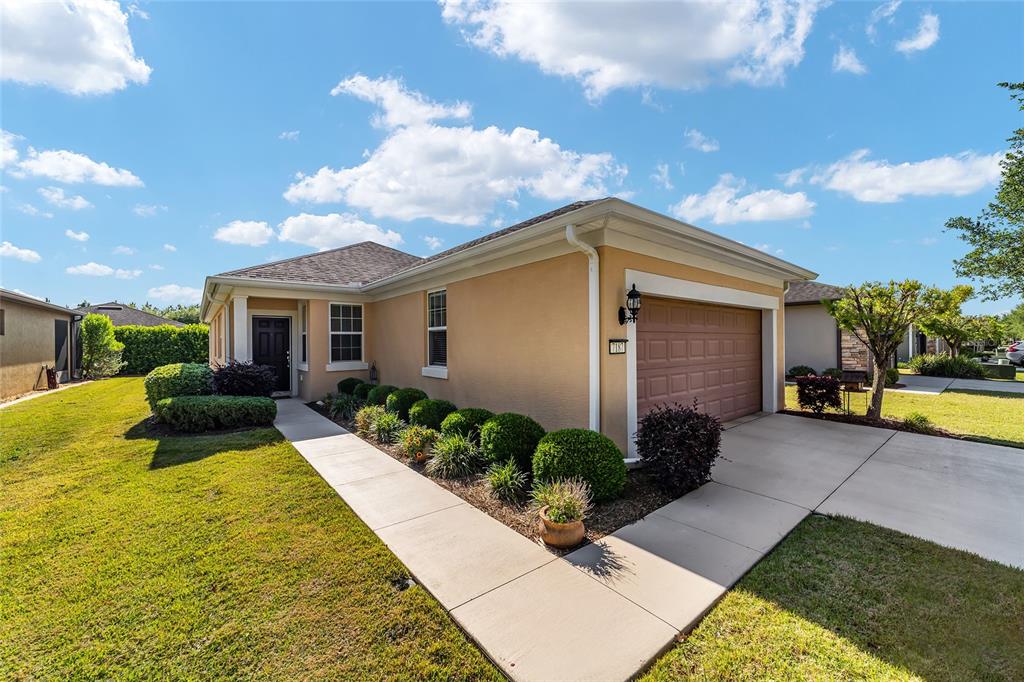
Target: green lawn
(128,557)
(839,599)
(984,416)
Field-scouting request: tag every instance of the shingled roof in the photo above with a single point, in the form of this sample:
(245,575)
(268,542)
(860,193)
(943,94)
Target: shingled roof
(812,292)
(122,314)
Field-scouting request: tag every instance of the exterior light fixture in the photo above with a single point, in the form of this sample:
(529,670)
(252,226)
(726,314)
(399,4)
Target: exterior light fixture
(632,309)
(373,373)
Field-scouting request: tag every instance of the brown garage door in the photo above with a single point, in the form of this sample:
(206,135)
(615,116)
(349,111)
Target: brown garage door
(691,350)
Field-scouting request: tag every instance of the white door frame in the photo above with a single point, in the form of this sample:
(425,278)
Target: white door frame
(293,370)
(670,287)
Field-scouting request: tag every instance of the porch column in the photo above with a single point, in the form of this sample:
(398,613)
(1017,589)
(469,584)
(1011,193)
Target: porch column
(240,327)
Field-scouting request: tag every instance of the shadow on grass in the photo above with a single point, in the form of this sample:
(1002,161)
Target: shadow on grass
(174,448)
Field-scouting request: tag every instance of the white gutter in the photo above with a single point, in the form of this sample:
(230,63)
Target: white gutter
(594,308)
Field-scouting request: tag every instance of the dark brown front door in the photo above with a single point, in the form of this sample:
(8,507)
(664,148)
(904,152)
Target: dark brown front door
(270,346)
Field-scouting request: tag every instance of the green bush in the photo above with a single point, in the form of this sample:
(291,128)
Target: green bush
(801,371)
(341,405)
(401,400)
(417,439)
(195,413)
(947,366)
(101,351)
(833,372)
(430,413)
(183,378)
(466,421)
(510,436)
(146,348)
(386,428)
(455,456)
(818,393)
(507,481)
(892,377)
(588,455)
(348,386)
(378,395)
(915,421)
(361,391)
(565,501)
(367,417)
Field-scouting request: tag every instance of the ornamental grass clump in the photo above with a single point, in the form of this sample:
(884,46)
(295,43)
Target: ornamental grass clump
(386,428)
(678,445)
(506,481)
(341,405)
(367,417)
(562,501)
(455,456)
(919,423)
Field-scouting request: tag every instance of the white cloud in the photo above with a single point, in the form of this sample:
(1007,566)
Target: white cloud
(57,197)
(127,274)
(77,236)
(135,11)
(175,293)
(333,230)
(25,293)
(289,135)
(846,60)
(8,150)
(29,209)
(660,176)
(695,139)
(123,251)
(793,177)
(81,47)
(148,210)
(684,44)
(926,36)
(250,232)
(454,174)
(768,248)
(155,266)
(170,247)
(9,250)
(91,269)
(399,106)
(884,11)
(882,182)
(928,241)
(70,167)
(433,243)
(724,204)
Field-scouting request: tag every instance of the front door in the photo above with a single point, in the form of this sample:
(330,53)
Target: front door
(270,346)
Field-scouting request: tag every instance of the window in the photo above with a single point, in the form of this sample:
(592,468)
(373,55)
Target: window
(437,328)
(302,322)
(346,332)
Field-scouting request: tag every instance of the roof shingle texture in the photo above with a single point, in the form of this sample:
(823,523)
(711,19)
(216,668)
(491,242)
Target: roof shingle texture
(121,314)
(812,292)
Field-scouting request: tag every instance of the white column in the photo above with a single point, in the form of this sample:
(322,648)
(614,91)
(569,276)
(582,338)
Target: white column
(240,326)
(769,361)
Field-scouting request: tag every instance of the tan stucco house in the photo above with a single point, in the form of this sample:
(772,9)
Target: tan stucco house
(34,336)
(526,319)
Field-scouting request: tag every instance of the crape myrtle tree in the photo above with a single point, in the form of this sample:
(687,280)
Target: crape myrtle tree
(947,320)
(878,315)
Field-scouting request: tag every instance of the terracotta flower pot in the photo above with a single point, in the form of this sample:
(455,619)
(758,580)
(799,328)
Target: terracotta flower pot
(560,535)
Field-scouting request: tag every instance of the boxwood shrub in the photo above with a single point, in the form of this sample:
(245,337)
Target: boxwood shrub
(378,395)
(146,348)
(207,412)
(361,391)
(348,385)
(182,378)
(678,445)
(801,371)
(430,413)
(579,453)
(401,400)
(508,436)
(466,422)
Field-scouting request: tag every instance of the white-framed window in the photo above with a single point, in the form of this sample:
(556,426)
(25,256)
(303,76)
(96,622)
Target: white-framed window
(437,328)
(302,333)
(346,332)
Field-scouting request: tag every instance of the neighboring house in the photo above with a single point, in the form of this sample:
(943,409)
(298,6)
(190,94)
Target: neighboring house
(34,336)
(122,315)
(526,319)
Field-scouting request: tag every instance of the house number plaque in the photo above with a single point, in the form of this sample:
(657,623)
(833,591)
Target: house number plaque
(616,346)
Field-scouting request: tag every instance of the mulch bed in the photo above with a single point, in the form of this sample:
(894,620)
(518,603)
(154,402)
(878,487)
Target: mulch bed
(639,498)
(882,423)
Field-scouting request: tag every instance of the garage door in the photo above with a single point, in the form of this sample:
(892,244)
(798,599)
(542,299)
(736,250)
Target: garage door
(691,350)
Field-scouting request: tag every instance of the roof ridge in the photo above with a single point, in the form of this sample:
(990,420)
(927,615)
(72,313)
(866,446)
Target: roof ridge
(318,253)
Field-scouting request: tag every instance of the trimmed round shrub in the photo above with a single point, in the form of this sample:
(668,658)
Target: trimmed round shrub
(801,371)
(417,439)
(401,400)
(244,378)
(386,428)
(361,391)
(678,445)
(579,453)
(466,422)
(892,376)
(183,378)
(196,413)
(818,393)
(348,386)
(367,417)
(512,436)
(455,456)
(378,395)
(430,413)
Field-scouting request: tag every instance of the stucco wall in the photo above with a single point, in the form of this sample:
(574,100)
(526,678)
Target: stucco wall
(811,337)
(26,346)
(614,263)
(317,381)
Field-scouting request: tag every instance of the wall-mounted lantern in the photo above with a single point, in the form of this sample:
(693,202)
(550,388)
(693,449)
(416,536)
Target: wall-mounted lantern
(632,309)
(373,373)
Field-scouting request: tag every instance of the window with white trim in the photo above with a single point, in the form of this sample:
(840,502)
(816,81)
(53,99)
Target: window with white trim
(302,327)
(346,327)
(437,328)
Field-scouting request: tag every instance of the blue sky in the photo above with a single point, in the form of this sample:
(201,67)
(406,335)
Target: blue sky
(147,146)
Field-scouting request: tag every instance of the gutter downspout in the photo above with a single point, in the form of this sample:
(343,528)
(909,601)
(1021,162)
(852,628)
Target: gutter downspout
(594,316)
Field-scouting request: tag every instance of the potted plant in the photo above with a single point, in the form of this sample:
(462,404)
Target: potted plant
(416,441)
(561,507)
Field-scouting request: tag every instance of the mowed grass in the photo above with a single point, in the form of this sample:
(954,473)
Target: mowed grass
(984,416)
(840,599)
(123,556)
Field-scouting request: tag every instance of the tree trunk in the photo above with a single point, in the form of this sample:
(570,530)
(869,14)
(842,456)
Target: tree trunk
(877,389)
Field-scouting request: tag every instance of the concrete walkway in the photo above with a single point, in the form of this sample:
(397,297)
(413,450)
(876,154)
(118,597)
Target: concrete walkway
(935,385)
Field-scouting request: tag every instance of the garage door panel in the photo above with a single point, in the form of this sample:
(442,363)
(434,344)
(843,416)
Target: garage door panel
(688,351)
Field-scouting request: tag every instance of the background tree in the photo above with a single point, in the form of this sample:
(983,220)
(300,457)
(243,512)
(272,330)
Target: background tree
(947,321)
(997,235)
(878,315)
(101,352)
(1013,321)
(987,328)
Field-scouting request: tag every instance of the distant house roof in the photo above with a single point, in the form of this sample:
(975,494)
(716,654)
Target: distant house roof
(349,265)
(122,314)
(812,292)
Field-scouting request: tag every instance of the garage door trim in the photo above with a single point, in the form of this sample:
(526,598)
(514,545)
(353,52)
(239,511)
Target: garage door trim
(670,287)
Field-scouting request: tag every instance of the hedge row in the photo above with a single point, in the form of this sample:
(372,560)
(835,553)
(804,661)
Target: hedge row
(196,413)
(146,348)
